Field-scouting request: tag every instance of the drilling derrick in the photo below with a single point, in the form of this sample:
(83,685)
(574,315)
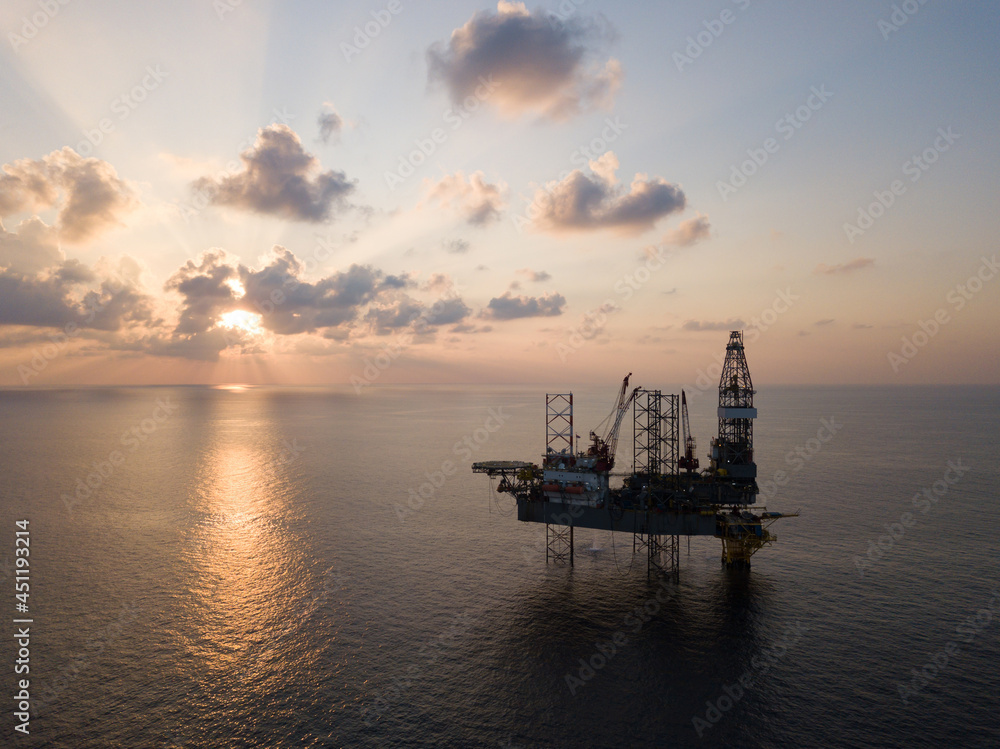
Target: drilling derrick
(732,450)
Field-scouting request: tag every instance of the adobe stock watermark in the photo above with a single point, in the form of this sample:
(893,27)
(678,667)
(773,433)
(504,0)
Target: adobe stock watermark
(369,30)
(923,501)
(958,297)
(966,632)
(899,17)
(464,448)
(797,458)
(201,198)
(334,580)
(759,665)
(427,655)
(605,651)
(708,377)
(132,438)
(787,126)
(122,105)
(566,10)
(421,324)
(580,157)
(914,168)
(706,37)
(51,690)
(428,146)
(625,287)
(38,20)
(42,355)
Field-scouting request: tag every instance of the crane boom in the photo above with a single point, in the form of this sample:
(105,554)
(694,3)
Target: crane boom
(603,446)
(688,460)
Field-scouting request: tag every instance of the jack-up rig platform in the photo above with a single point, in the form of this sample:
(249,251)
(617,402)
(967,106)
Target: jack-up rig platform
(665,496)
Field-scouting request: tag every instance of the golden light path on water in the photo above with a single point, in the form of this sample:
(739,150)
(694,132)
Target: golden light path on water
(248,576)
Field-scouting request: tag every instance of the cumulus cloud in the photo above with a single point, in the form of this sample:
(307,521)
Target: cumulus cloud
(93,197)
(580,202)
(407,312)
(288,305)
(852,265)
(207,295)
(529,63)
(279,178)
(330,125)
(33,247)
(509,307)
(479,202)
(689,232)
(73,293)
(733,323)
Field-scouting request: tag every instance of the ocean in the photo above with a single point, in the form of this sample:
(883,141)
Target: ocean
(308,567)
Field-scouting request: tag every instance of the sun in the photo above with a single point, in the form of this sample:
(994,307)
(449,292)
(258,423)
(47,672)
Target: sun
(240,319)
(236,287)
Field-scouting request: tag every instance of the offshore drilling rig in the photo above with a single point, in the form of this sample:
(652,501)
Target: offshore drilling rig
(665,496)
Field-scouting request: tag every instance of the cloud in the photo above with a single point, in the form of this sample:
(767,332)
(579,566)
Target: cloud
(207,295)
(94,198)
(216,283)
(689,232)
(862,326)
(73,293)
(825,321)
(536,276)
(279,178)
(306,307)
(508,307)
(733,323)
(456,246)
(33,247)
(477,200)
(330,125)
(581,203)
(852,265)
(555,70)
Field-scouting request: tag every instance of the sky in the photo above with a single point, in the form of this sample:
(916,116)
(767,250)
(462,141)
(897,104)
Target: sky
(340,193)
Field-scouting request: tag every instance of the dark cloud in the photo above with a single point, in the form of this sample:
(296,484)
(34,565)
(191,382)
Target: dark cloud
(852,265)
(94,198)
(60,297)
(580,202)
(291,305)
(508,307)
(525,63)
(479,202)
(330,125)
(207,295)
(727,325)
(407,312)
(280,179)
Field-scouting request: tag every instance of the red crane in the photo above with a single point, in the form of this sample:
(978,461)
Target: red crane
(603,447)
(688,460)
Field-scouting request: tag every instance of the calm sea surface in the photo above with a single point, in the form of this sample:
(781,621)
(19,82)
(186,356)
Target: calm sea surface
(255,568)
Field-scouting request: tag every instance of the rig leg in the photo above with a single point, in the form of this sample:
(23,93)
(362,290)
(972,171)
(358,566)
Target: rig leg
(664,555)
(559,544)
